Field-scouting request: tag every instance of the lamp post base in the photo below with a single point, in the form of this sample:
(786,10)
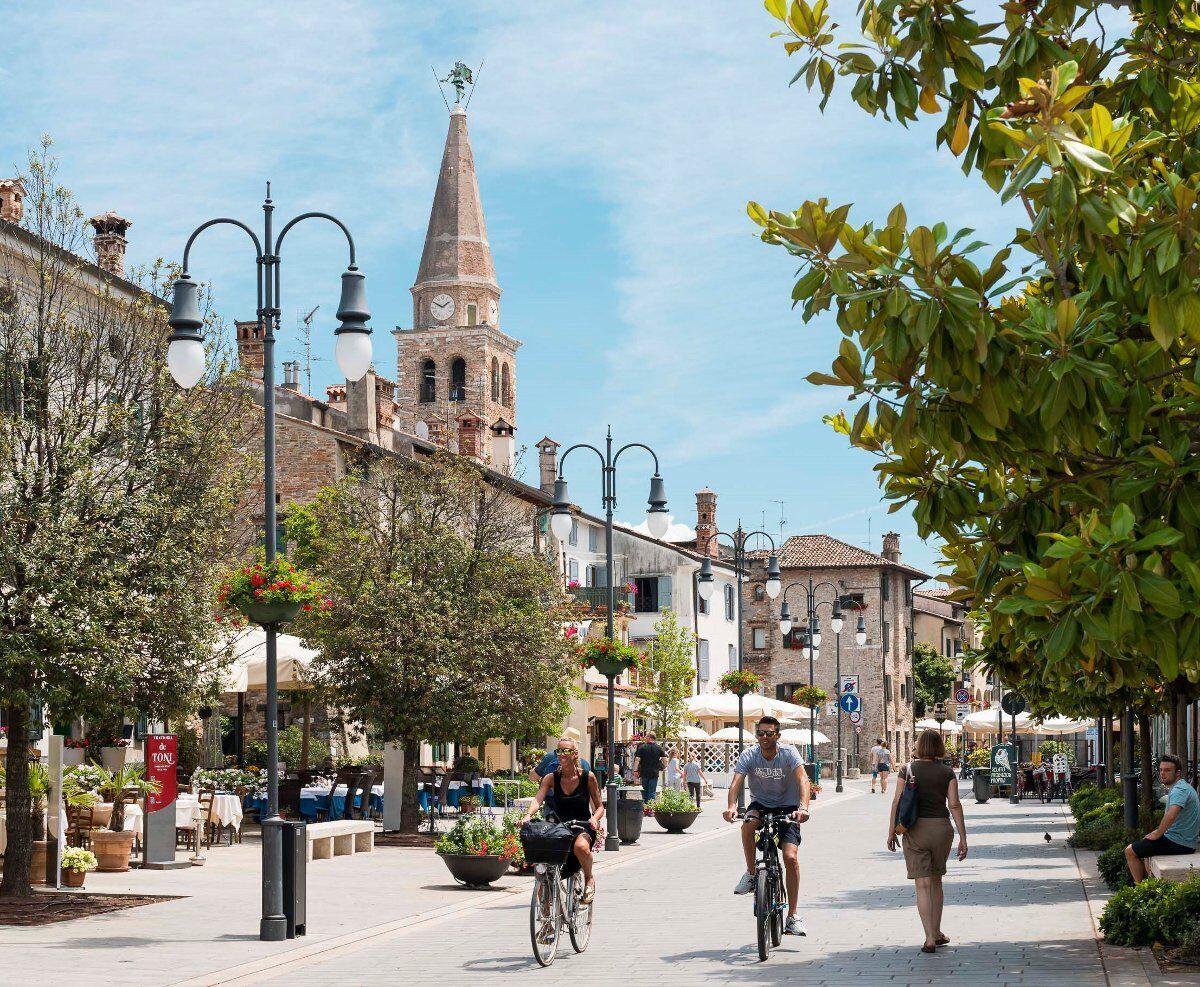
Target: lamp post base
(273,924)
(612,840)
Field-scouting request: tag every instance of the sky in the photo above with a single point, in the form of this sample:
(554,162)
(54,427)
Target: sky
(616,145)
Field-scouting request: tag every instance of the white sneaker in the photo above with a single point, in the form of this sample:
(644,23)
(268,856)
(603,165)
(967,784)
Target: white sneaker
(794,926)
(745,885)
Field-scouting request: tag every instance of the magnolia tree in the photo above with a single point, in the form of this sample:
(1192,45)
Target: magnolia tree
(116,493)
(667,675)
(1036,407)
(442,624)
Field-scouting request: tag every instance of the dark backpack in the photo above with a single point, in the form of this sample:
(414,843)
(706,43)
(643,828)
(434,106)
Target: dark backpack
(906,810)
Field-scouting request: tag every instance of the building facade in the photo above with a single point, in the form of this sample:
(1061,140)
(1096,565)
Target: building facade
(877,587)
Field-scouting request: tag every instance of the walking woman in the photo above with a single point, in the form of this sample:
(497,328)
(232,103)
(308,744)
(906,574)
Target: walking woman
(927,843)
(577,803)
(881,765)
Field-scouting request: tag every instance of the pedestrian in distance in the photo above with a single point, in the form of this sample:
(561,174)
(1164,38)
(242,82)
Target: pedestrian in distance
(779,784)
(1179,829)
(927,843)
(881,764)
(693,776)
(674,776)
(649,762)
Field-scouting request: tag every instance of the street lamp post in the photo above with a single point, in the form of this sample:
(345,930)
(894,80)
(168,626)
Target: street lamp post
(811,638)
(705,585)
(185,360)
(657,520)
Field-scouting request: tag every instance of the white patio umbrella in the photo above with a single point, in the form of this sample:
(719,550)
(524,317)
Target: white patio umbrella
(688,732)
(731,733)
(988,721)
(1060,725)
(292,660)
(801,738)
(724,706)
(948,727)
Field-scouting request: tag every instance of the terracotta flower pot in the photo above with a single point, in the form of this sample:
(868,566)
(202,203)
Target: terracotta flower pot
(73,878)
(264,614)
(37,862)
(112,850)
(475,871)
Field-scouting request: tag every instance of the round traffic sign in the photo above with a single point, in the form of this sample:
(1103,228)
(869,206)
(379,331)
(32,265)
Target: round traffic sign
(856,716)
(1013,704)
(962,696)
(858,730)
(850,702)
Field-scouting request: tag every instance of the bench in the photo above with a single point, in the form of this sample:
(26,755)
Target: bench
(1178,868)
(339,837)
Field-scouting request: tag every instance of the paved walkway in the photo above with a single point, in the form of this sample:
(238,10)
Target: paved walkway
(1016,910)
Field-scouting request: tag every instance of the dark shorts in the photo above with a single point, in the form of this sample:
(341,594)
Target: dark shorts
(789,832)
(884,766)
(1162,847)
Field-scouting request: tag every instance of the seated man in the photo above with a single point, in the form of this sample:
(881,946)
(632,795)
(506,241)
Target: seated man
(1180,826)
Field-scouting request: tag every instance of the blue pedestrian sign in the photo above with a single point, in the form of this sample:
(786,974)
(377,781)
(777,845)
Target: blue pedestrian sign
(850,702)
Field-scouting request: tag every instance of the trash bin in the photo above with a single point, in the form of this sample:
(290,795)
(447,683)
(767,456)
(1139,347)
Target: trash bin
(814,771)
(629,814)
(981,784)
(295,878)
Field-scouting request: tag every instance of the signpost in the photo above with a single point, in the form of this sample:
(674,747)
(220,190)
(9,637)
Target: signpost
(1004,765)
(856,718)
(851,703)
(1014,705)
(158,837)
(962,696)
(849,684)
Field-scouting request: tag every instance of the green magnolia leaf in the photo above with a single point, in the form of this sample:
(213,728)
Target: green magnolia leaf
(922,246)
(1086,156)
(1162,322)
(1122,521)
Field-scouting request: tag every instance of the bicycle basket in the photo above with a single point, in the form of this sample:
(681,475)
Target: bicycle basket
(546,842)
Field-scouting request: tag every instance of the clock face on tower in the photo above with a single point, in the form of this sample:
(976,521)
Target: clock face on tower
(493,312)
(442,307)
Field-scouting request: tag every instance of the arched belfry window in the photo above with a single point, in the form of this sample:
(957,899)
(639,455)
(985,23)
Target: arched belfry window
(458,380)
(505,387)
(428,382)
(495,379)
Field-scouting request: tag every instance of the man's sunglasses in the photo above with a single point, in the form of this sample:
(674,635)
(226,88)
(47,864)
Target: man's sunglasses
(767,733)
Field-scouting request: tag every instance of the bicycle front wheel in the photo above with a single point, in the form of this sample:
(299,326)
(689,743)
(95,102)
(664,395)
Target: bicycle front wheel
(762,913)
(579,915)
(543,918)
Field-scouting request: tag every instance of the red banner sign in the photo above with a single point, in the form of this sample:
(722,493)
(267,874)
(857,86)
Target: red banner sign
(162,761)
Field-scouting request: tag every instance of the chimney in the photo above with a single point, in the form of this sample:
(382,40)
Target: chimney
(891,546)
(291,375)
(470,434)
(110,241)
(361,408)
(438,433)
(503,441)
(12,200)
(547,463)
(706,523)
(250,348)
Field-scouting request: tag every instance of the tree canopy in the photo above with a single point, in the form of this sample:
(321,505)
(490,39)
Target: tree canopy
(443,623)
(933,677)
(669,672)
(1036,407)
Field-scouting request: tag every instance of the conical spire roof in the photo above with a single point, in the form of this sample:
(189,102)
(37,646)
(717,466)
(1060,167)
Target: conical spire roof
(456,244)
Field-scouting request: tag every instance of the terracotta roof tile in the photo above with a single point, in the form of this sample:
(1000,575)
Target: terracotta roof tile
(826,552)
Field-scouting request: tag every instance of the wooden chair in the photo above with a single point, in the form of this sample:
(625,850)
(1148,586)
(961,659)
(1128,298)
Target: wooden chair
(325,812)
(289,797)
(80,823)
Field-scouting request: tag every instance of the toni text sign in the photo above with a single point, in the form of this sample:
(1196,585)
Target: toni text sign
(162,760)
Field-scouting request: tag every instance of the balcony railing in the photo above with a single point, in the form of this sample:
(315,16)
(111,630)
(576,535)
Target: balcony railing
(596,597)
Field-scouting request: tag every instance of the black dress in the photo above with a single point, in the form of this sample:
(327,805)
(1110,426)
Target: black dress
(576,807)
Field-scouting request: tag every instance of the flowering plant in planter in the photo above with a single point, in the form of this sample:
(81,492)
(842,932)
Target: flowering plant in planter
(739,683)
(810,696)
(479,836)
(77,859)
(270,593)
(607,656)
(225,779)
(574,584)
(88,777)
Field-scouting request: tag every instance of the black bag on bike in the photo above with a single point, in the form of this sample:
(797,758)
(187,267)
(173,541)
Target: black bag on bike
(906,811)
(546,842)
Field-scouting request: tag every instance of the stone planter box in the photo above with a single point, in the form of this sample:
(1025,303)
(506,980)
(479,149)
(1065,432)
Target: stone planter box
(114,758)
(73,756)
(852,773)
(474,871)
(675,822)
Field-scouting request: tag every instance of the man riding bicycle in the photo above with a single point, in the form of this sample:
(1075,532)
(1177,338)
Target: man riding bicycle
(778,783)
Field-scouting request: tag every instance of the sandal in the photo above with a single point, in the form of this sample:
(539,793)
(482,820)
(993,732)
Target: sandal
(929,949)
(941,941)
(589,892)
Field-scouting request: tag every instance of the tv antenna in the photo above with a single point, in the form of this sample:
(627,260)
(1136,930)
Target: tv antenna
(306,338)
(782,519)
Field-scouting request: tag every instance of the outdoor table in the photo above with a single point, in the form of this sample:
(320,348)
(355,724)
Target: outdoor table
(102,816)
(314,797)
(484,787)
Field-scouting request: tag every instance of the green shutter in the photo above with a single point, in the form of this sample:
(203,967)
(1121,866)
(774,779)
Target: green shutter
(664,593)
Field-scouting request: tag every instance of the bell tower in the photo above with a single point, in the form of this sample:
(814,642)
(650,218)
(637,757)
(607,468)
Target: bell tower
(455,358)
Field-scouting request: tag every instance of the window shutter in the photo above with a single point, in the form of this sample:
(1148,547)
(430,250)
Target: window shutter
(573,569)
(886,637)
(887,688)
(664,593)
(885,586)
(591,539)
(703,660)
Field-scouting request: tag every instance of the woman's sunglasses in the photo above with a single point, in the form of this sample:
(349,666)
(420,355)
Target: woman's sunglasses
(567,752)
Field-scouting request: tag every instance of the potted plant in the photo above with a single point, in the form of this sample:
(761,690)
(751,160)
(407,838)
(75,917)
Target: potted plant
(39,791)
(469,804)
(607,656)
(113,845)
(810,697)
(269,593)
(739,683)
(478,851)
(76,862)
(674,810)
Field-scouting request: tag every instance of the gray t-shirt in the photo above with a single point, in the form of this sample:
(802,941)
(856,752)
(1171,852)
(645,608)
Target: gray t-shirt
(691,772)
(772,783)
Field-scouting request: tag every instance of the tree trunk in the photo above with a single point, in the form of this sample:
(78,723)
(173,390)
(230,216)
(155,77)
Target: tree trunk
(19,852)
(1179,744)
(211,755)
(1173,729)
(1114,753)
(1146,759)
(306,733)
(410,809)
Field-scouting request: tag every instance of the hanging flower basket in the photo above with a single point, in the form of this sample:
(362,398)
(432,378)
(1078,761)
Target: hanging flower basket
(608,657)
(740,683)
(810,697)
(270,593)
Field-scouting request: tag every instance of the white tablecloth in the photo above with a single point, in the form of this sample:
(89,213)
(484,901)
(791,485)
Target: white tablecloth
(227,811)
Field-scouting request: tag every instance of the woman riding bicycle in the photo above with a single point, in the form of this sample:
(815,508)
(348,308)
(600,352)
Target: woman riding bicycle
(577,803)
